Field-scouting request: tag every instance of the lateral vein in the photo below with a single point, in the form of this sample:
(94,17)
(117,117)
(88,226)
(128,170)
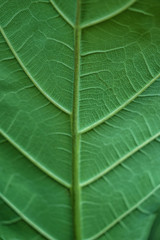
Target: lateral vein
(124,215)
(29,75)
(31,159)
(115,13)
(26,219)
(125,157)
(113,113)
(61,13)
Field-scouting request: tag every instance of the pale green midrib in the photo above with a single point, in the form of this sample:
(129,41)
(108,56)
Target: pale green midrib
(125,214)
(121,107)
(121,160)
(26,219)
(32,160)
(75,133)
(30,76)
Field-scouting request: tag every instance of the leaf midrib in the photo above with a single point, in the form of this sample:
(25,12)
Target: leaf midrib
(75,131)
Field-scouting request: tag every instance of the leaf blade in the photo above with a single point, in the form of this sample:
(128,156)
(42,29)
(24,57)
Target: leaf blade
(116,122)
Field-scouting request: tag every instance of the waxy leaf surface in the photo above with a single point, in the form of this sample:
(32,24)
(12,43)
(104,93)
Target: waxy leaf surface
(79,119)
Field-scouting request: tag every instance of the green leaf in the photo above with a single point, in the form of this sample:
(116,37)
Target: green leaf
(155,231)
(79,119)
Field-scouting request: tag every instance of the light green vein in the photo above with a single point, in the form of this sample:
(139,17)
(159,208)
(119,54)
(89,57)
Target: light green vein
(125,157)
(88,128)
(125,214)
(12,221)
(61,13)
(141,12)
(29,75)
(75,135)
(31,159)
(109,16)
(26,219)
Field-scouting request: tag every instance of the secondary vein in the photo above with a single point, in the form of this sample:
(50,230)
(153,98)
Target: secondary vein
(27,219)
(121,107)
(75,132)
(61,13)
(40,166)
(29,74)
(124,215)
(121,160)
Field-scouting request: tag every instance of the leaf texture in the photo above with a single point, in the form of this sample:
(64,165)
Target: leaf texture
(79,119)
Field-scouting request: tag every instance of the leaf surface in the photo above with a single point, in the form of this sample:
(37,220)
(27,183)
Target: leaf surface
(79,119)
